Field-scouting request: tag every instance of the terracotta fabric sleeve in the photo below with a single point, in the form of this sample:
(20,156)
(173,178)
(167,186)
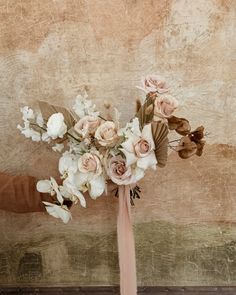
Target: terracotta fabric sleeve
(19,194)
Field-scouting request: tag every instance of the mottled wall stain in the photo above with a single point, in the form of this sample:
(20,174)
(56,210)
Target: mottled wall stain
(185,220)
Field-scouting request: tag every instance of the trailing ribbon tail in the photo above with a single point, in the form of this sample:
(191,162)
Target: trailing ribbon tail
(126,245)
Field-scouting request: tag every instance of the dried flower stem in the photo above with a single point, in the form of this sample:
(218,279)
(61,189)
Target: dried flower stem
(172,147)
(33,124)
(102,118)
(72,136)
(176,140)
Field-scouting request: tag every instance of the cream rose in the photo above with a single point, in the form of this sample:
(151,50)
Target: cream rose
(90,162)
(153,83)
(118,171)
(164,106)
(87,125)
(106,134)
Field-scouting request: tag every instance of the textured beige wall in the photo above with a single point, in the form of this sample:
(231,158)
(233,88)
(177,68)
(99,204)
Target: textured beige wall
(185,222)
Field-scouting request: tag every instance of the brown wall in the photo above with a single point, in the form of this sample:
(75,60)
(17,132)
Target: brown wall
(185,221)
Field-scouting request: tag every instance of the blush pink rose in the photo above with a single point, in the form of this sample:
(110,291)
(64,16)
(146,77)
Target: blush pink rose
(142,148)
(89,162)
(106,134)
(165,105)
(87,126)
(118,170)
(153,83)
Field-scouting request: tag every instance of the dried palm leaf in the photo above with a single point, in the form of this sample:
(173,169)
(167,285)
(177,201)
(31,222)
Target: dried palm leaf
(138,105)
(159,133)
(48,109)
(145,113)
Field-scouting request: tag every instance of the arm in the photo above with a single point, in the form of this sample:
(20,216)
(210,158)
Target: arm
(18,194)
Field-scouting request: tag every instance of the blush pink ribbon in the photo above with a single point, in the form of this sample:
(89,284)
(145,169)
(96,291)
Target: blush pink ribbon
(126,245)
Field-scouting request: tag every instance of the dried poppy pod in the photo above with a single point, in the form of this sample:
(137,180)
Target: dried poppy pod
(191,144)
(180,125)
(197,137)
(186,148)
(200,147)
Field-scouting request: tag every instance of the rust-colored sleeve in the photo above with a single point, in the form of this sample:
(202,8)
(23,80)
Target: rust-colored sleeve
(18,194)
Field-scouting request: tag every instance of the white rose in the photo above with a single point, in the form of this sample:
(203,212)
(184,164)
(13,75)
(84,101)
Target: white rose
(106,134)
(56,126)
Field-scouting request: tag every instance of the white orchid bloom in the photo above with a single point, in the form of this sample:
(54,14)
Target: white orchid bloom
(84,107)
(139,148)
(58,147)
(72,191)
(96,187)
(56,211)
(94,184)
(131,128)
(29,132)
(50,187)
(56,126)
(67,163)
(30,118)
(46,137)
(28,113)
(45,186)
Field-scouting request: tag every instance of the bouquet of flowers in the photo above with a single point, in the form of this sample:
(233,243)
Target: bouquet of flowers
(98,151)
